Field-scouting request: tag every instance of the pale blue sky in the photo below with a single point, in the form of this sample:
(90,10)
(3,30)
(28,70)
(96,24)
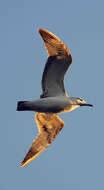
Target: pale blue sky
(75,160)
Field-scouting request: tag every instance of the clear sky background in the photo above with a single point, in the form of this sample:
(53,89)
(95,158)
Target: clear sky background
(75,160)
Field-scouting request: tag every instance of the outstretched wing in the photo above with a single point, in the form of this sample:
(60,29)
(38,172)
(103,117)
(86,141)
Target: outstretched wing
(59,59)
(49,126)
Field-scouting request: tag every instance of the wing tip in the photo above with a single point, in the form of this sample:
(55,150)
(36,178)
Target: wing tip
(47,34)
(24,163)
(49,37)
(41,31)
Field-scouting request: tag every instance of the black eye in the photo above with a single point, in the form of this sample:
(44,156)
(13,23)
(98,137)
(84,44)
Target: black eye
(80,99)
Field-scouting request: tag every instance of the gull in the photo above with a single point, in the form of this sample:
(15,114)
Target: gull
(54,99)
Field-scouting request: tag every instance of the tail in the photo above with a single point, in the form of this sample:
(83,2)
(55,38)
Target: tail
(21,106)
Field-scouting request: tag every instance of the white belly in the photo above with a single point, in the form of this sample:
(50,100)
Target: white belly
(68,109)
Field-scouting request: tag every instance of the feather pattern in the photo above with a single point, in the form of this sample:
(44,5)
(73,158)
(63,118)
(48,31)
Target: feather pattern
(49,126)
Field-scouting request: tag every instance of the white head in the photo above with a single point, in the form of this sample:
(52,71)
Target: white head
(82,102)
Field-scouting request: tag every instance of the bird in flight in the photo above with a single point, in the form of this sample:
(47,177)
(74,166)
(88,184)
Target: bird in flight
(54,99)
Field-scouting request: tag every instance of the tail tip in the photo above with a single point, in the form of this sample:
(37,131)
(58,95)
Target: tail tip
(19,105)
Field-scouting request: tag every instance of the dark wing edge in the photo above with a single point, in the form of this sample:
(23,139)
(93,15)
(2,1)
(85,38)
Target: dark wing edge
(49,126)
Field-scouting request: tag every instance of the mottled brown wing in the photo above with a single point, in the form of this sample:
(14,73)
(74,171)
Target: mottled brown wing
(53,44)
(49,126)
(59,59)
